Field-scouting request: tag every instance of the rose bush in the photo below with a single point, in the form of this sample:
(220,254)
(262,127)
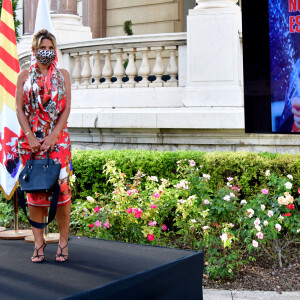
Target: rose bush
(185,212)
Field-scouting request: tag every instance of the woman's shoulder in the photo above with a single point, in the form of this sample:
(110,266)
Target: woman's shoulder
(64,72)
(23,75)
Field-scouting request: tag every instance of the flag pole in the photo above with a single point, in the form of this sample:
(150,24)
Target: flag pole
(16,214)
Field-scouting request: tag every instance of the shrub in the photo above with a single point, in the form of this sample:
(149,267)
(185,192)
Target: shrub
(189,211)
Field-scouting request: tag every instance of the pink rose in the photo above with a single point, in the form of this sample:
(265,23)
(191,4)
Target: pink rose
(265,191)
(156,195)
(254,243)
(260,235)
(97,223)
(153,206)
(278,227)
(106,224)
(138,213)
(150,237)
(152,223)
(91,225)
(192,163)
(129,192)
(96,209)
(129,210)
(164,227)
(229,178)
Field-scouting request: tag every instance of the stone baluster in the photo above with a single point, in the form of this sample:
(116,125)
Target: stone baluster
(119,70)
(172,68)
(86,71)
(76,74)
(131,70)
(144,69)
(158,69)
(107,71)
(96,71)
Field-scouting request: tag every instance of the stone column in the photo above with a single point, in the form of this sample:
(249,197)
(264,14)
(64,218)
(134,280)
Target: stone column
(29,10)
(66,23)
(63,7)
(214,55)
(94,15)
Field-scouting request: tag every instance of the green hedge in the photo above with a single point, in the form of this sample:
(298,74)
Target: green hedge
(249,168)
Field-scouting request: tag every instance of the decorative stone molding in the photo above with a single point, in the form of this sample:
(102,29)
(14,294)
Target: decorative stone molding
(202,4)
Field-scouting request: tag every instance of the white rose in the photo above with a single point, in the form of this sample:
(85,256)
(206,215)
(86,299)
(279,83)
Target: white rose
(262,207)
(290,177)
(267,173)
(90,199)
(224,237)
(206,176)
(227,198)
(288,185)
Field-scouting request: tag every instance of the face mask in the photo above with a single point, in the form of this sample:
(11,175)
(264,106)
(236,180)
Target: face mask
(45,57)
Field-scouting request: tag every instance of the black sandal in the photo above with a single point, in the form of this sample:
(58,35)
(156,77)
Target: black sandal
(40,256)
(64,256)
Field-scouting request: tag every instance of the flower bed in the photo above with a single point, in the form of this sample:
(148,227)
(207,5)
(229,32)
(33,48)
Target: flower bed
(190,209)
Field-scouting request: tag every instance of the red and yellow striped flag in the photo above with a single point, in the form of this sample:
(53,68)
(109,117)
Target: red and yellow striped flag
(9,125)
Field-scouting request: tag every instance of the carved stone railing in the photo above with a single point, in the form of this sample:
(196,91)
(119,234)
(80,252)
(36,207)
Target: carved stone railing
(125,62)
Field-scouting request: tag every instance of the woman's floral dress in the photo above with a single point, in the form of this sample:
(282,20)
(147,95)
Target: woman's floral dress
(43,105)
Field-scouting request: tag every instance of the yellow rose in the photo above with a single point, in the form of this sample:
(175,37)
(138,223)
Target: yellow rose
(282,201)
(289,199)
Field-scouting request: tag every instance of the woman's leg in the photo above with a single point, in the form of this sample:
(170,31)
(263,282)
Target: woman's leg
(63,220)
(37,214)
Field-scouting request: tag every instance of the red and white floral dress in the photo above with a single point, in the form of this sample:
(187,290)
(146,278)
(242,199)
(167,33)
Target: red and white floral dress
(44,101)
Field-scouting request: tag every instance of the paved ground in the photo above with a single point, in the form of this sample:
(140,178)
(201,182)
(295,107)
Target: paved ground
(248,295)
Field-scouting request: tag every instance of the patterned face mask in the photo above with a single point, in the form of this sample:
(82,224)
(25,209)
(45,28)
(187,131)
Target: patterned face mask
(45,57)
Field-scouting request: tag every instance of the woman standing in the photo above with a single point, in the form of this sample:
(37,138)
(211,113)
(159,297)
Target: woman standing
(43,100)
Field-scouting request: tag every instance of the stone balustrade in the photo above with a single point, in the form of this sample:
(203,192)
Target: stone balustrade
(125,62)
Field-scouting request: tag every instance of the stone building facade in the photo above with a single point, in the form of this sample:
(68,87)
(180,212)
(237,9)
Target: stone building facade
(192,51)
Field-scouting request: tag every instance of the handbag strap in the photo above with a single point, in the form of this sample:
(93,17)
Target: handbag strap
(52,210)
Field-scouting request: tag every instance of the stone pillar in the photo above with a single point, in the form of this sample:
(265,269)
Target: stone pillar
(94,15)
(29,11)
(66,23)
(214,55)
(64,7)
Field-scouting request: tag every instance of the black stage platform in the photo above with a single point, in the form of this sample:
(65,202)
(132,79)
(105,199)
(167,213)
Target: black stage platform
(99,269)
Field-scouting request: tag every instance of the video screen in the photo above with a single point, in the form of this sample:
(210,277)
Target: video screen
(284,27)
(271,40)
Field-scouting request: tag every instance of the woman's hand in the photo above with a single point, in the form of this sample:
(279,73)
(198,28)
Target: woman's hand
(48,142)
(34,143)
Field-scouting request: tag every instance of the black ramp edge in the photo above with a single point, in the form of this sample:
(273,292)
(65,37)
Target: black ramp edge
(177,280)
